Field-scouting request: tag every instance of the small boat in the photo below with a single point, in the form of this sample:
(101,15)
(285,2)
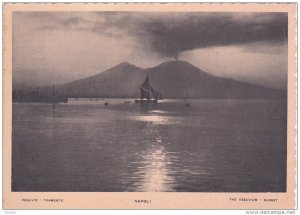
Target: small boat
(127,102)
(148,94)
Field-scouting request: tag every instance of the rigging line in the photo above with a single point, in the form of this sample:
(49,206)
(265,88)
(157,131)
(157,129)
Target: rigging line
(284,34)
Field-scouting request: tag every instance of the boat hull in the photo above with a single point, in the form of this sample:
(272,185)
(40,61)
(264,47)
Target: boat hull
(151,101)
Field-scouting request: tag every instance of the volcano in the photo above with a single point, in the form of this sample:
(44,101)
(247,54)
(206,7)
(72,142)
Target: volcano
(174,79)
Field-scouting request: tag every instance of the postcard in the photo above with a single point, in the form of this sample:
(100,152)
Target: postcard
(149,106)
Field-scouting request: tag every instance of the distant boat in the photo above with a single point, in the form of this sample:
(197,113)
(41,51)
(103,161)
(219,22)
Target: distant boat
(148,94)
(54,98)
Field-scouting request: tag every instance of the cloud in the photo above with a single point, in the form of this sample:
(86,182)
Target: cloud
(266,67)
(65,46)
(169,34)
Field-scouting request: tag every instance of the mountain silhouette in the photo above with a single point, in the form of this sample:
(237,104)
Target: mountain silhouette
(174,79)
(121,80)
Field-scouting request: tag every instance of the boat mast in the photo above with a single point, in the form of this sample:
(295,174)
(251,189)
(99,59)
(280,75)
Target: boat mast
(148,86)
(53,90)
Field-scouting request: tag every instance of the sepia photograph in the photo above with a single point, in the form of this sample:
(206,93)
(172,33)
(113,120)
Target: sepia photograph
(159,101)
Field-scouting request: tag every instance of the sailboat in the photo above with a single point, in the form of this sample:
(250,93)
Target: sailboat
(54,98)
(148,94)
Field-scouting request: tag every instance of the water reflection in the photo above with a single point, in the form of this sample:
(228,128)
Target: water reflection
(160,147)
(150,114)
(144,108)
(154,166)
(155,119)
(154,170)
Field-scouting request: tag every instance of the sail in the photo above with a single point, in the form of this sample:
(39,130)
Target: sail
(145,89)
(144,93)
(155,94)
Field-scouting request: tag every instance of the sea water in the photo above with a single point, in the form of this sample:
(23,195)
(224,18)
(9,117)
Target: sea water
(205,145)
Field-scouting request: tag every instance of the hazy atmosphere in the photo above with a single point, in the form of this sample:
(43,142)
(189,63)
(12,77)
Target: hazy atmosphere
(58,47)
(149,102)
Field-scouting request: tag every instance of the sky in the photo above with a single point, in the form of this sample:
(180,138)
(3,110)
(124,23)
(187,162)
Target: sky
(59,47)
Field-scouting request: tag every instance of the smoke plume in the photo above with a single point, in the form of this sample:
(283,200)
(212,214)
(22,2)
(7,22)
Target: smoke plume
(169,34)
